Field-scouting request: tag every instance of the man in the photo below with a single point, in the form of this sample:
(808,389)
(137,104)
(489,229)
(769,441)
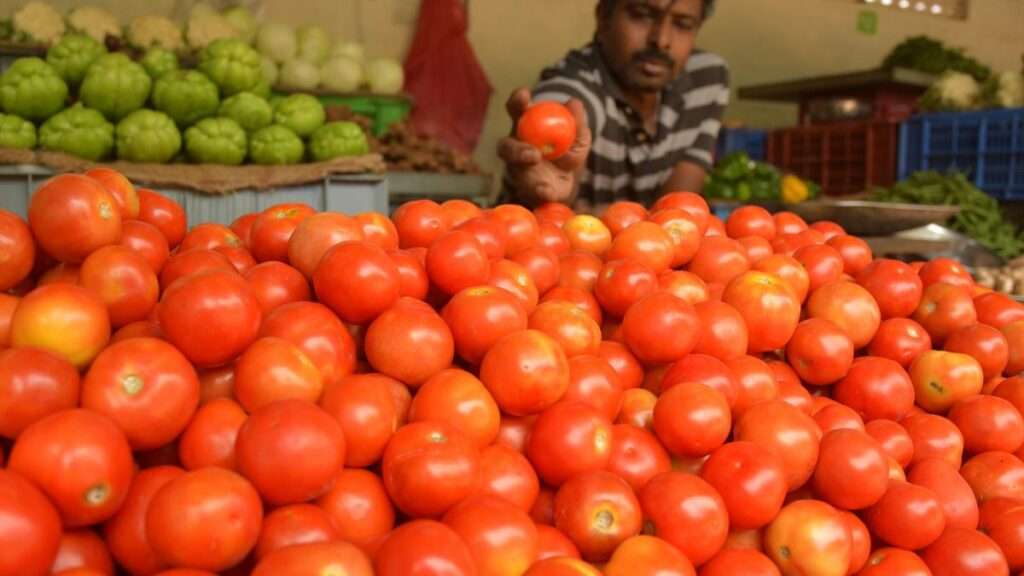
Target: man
(648,106)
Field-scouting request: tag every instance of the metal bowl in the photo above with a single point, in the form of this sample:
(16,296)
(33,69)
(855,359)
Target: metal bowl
(867,218)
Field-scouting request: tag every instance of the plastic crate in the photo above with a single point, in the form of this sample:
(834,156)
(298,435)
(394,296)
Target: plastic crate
(844,158)
(988,146)
(749,140)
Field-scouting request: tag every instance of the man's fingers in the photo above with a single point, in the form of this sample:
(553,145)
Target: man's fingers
(514,151)
(517,103)
(579,113)
(576,156)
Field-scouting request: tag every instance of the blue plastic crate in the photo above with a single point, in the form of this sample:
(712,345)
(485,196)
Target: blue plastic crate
(988,146)
(748,140)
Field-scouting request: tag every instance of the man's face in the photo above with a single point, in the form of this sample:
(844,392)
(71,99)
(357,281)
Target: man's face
(647,42)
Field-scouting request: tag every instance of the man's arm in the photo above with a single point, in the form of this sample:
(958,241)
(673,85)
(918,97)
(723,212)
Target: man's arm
(686,177)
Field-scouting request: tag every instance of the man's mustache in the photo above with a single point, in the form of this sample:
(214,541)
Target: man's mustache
(655,55)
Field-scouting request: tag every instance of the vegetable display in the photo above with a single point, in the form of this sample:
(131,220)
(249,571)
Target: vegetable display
(648,390)
(737,177)
(32,89)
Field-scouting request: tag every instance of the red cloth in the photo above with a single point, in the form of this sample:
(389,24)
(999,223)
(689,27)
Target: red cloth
(449,87)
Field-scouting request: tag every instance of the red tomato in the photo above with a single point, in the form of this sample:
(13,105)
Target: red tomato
(856,253)
(211,317)
(934,437)
(409,325)
(893,438)
(125,532)
(789,270)
(315,557)
(318,233)
(750,220)
(850,307)
(719,260)
(455,261)
(378,229)
(552,543)
(419,222)
(500,537)
(860,541)
(274,369)
(357,280)
(290,450)
(748,562)
(554,212)
(526,372)
(456,211)
(72,216)
(693,203)
(17,250)
(276,283)
(490,233)
(67,320)
(1014,333)
(458,398)
(894,562)
(786,431)
(209,236)
(294,525)
(944,309)
(828,229)
(835,416)
(684,285)
(648,555)
(364,406)
(789,223)
(622,214)
(823,263)
(768,307)
(429,467)
(542,265)
(146,241)
(593,381)
(901,340)
(207,519)
(953,492)
(80,459)
(119,187)
(660,328)
(852,470)
(646,243)
(997,310)
(722,332)
(638,408)
(423,547)
(553,239)
(908,516)
(1011,389)
(192,262)
(579,270)
(630,372)
(943,378)
(757,248)
(146,387)
(549,126)
(751,480)
(242,226)
(125,282)
(318,333)
(273,228)
(34,384)
(239,257)
(809,536)
(945,270)
(986,344)
(516,279)
(989,424)
(622,283)
(597,511)
(479,317)
(686,512)
(820,352)
(789,388)
(82,550)
(994,475)
(209,439)
(895,286)
(8,304)
(359,507)
(692,419)
(1006,530)
(412,274)
(636,455)
(167,215)
(569,326)
(505,473)
(754,383)
(559,566)
(876,388)
(521,228)
(568,439)
(31,530)
(684,230)
(964,552)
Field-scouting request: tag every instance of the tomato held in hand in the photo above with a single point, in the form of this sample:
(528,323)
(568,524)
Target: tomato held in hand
(549,126)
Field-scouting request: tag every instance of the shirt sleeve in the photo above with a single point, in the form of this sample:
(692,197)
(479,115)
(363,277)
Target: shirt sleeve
(713,98)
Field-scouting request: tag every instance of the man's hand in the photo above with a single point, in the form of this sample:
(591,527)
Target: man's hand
(535,179)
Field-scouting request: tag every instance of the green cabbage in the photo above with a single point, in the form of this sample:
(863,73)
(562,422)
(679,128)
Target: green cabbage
(72,55)
(147,136)
(78,131)
(116,86)
(187,96)
(233,65)
(32,89)
(216,141)
(275,144)
(249,110)
(16,132)
(336,139)
(301,113)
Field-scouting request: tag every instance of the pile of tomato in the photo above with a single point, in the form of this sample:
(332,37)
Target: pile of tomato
(458,391)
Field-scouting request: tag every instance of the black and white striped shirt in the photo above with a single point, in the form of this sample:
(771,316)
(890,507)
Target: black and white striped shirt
(626,161)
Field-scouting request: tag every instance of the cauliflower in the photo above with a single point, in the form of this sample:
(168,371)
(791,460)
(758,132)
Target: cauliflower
(155,31)
(96,22)
(313,43)
(1008,90)
(243,21)
(342,74)
(952,91)
(206,27)
(39,22)
(277,42)
(385,76)
(352,50)
(299,75)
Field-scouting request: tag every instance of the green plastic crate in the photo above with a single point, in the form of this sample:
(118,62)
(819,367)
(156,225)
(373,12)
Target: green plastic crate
(383,110)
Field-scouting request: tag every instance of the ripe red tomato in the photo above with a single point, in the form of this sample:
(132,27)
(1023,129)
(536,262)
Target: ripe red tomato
(167,215)
(377,229)
(941,379)
(423,547)
(479,317)
(636,455)
(80,459)
(692,419)
(542,264)
(997,310)
(691,202)
(683,285)
(588,234)
(1014,333)
(622,283)
(850,307)
(953,492)
(67,320)
(823,263)
(852,470)
(934,437)
(757,248)
(359,507)
(622,214)
(274,369)
(315,558)
(820,352)
(242,226)
(505,473)
(456,261)
(789,223)
(809,535)
(146,387)
(207,519)
(290,450)
(789,270)
(82,550)
(357,280)
(791,434)
(419,222)
(456,211)
(754,383)
(750,220)
(8,304)
(146,241)
(549,126)
(944,309)
(648,555)
(964,552)
(521,228)
(412,274)
(722,332)
(239,256)
(190,262)
(209,236)
(768,307)
(856,253)
(211,317)
(119,187)
(1005,530)
(789,389)
(834,416)
(273,228)
(876,388)
(490,233)
(553,543)
(686,512)
(318,333)
(31,530)
(553,212)
(637,408)
(945,270)
(364,406)
(293,525)
(318,233)
(516,279)
(526,372)
(409,325)
(460,399)
(17,250)
(276,283)
(751,481)
(561,566)
(593,381)
(986,344)
(34,384)
(893,438)
(684,230)
(209,438)
(429,467)
(908,516)
(500,537)
(567,439)
(895,286)
(660,328)
(125,532)
(630,372)
(72,215)
(894,562)
(644,242)
(569,326)
(719,260)
(579,270)
(598,511)
(989,424)
(994,475)
(901,340)
(552,239)
(740,561)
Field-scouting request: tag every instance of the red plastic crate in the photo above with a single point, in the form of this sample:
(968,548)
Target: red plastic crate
(845,158)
